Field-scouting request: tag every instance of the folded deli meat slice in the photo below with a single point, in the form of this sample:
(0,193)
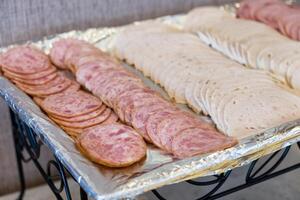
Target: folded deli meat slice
(242,102)
(251,43)
(133,102)
(113,145)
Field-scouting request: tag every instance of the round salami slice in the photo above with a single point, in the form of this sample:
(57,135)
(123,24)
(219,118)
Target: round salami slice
(112,145)
(194,141)
(59,49)
(175,124)
(95,60)
(83,117)
(74,87)
(111,119)
(87,123)
(38,81)
(76,131)
(57,85)
(86,74)
(33,76)
(116,87)
(141,114)
(154,120)
(76,51)
(71,104)
(125,102)
(24,60)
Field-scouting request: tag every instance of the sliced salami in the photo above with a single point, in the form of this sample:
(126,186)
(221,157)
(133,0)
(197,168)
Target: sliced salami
(72,104)
(195,141)
(58,51)
(37,75)
(152,124)
(87,123)
(83,117)
(38,81)
(141,114)
(111,119)
(55,86)
(113,145)
(173,125)
(24,60)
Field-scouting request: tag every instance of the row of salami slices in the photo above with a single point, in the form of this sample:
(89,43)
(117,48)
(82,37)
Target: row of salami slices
(157,120)
(275,13)
(83,116)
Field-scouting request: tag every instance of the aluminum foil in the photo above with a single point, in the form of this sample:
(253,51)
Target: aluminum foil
(158,169)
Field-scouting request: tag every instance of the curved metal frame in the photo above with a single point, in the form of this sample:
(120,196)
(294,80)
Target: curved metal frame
(26,141)
(254,176)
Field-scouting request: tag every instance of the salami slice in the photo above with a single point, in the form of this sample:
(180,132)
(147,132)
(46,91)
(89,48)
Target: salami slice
(113,145)
(153,122)
(111,119)
(141,114)
(175,124)
(87,123)
(83,117)
(75,131)
(57,85)
(71,105)
(74,87)
(194,141)
(38,81)
(24,60)
(58,51)
(33,76)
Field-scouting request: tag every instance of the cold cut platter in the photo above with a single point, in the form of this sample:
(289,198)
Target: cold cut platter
(132,108)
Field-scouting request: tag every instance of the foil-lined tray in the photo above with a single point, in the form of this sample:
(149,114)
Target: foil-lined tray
(158,169)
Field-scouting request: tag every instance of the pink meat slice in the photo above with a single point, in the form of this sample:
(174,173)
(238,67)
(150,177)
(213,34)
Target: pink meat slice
(124,99)
(113,145)
(141,114)
(59,49)
(154,120)
(194,141)
(269,15)
(138,100)
(24,60)
(174,125)
(38,81)
(71,104)
(114,89)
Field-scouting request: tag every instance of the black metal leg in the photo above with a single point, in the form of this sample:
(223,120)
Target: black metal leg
(18,149)
(25,140)
(83,195)
(252,176)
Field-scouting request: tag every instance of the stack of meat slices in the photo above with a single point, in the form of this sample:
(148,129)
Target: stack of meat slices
(31,70)
(76,111)
(157,120)
(275,13)
(102,139)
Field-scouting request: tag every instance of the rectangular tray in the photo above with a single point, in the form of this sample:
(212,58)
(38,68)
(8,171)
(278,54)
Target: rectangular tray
(158,169)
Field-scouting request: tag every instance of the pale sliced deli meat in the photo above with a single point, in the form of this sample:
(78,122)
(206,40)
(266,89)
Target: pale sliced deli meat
(219,85)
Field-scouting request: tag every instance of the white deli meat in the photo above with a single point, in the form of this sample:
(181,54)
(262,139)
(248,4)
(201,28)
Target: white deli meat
(241,101)
(251,43)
